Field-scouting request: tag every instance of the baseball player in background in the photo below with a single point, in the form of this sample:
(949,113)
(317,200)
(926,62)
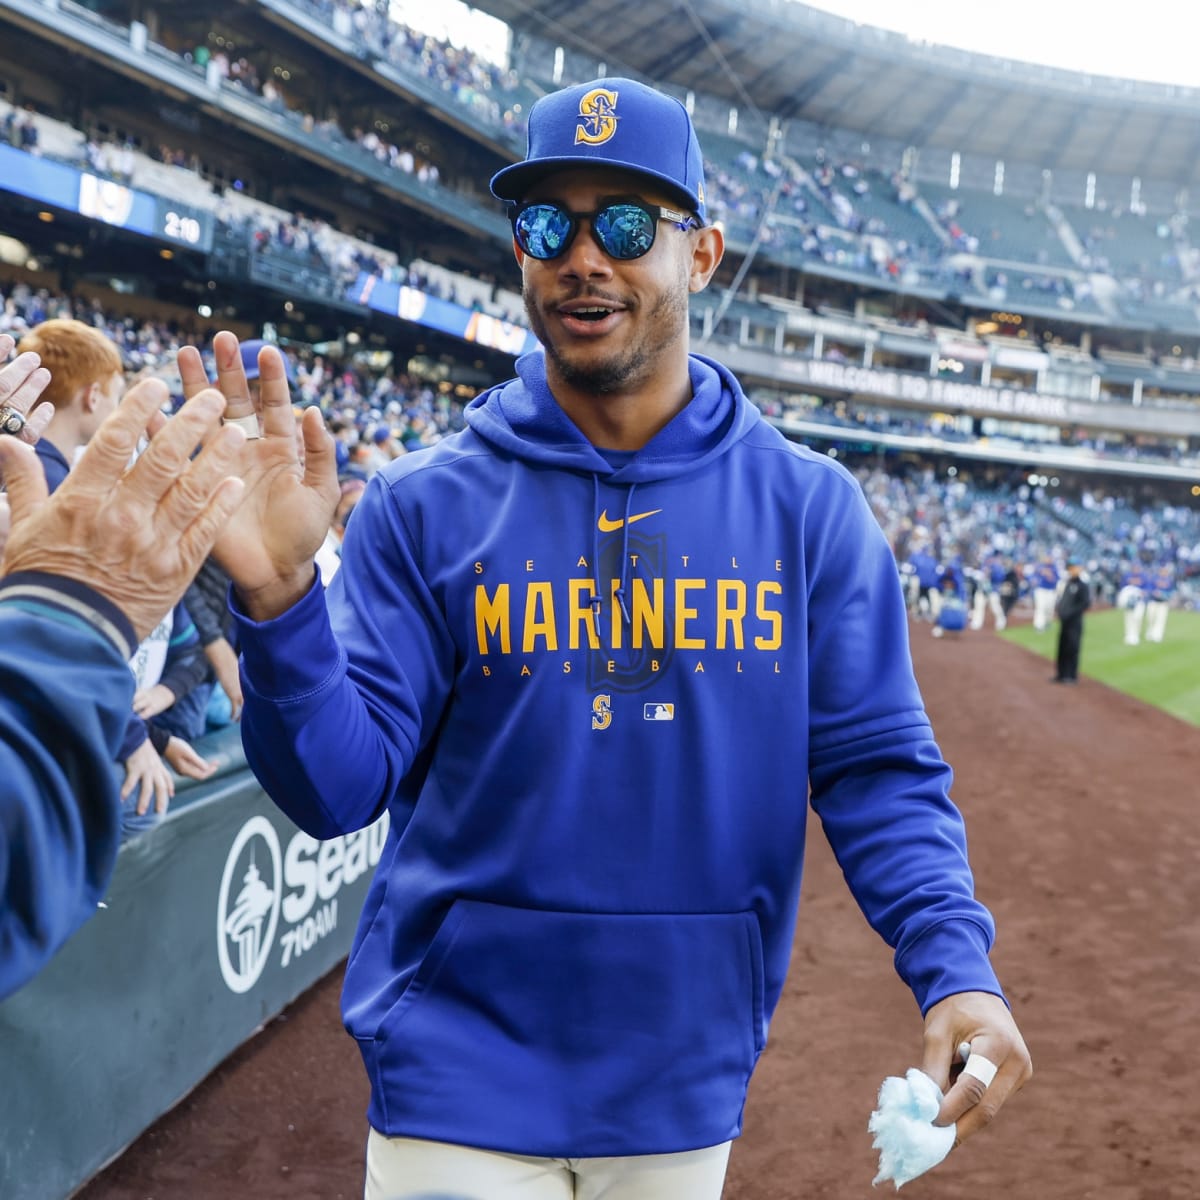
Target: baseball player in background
(1008,589)
(924,564)
(1131,599)
(592,654)
(998,572)
(989,579)
(976,580)
(1044,580)
(1161,587)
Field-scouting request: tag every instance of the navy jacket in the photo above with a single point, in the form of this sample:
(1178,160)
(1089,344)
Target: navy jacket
(65,692)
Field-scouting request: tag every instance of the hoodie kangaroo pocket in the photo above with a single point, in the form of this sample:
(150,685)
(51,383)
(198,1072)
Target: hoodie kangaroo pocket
(567,1034)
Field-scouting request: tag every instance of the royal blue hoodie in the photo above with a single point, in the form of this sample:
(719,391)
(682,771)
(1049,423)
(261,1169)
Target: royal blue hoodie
(592,691)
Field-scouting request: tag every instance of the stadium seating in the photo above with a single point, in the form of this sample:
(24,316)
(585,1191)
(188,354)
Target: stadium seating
(998,228)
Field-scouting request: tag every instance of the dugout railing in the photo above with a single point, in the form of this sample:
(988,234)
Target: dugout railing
(215,920)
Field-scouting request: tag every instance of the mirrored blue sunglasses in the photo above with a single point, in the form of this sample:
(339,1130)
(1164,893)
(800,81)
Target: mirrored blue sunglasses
(623,229)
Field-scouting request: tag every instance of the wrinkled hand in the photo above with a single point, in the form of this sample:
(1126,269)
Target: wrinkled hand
(224,661)
(21,383)
(186,760)
(268,547)
(146,774)
(135,534)
(983,1020)
(149,702)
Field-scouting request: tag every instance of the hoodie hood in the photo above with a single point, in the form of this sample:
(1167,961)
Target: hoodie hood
(522,418)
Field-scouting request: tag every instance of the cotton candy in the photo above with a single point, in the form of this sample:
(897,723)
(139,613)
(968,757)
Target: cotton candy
(908,1142)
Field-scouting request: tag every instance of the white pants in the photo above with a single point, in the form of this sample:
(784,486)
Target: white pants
(981,604)
(1156,620)
(997,608)
(1043,607)
(1133,623)
(978,608)
(414,1169)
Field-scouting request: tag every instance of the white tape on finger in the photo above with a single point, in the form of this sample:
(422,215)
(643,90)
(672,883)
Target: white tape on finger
(248,425)
(982,1068)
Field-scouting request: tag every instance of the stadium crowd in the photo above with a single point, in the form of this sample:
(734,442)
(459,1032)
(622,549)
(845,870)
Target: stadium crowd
(840,212)
(824,202)
(953,533)
(873,222)
(353,389)
(347,388)
(490,93)
(1090,445)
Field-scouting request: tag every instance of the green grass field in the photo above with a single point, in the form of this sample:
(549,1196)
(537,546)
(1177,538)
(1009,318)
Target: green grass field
(1166,675)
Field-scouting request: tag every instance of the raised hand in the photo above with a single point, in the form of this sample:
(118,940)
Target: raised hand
(267,549)
(136,535)
(22,381)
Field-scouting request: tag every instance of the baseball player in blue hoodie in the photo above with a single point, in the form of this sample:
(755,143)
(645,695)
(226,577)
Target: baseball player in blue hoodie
(590,655)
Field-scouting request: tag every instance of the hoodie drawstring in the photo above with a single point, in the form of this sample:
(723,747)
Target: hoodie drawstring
(625,553)
(621,592)
(596,597)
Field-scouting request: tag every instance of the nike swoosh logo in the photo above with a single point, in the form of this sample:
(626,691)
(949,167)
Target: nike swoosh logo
(607,526)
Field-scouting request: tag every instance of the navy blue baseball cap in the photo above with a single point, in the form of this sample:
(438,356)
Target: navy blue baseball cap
(611,123)
(250,351)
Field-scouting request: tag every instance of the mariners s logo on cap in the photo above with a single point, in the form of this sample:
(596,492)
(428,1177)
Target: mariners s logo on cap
(580,127)
(597,117)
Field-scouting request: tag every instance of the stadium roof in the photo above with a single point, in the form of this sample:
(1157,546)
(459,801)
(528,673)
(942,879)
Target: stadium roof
(787,58)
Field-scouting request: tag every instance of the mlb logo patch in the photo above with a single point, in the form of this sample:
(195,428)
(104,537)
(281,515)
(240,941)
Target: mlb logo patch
(658,712)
